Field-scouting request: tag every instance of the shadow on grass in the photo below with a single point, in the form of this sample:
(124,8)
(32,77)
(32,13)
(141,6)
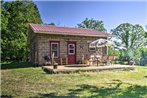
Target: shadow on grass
(52,95)
(111,90)
(6,96)
(14,65)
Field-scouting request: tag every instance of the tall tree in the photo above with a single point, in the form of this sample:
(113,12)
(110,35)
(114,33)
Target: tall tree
(129,36)
(16,16)
(146,34)
(92,24)
(50,23)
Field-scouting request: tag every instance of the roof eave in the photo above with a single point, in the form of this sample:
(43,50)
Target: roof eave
(56,33)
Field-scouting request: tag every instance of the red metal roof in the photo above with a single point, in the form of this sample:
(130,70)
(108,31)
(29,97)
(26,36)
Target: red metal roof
(49,29)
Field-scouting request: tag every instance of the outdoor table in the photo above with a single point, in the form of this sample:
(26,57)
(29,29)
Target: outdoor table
(98,57)
(91,59)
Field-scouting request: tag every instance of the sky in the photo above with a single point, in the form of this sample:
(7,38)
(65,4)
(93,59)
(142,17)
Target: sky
(112,13)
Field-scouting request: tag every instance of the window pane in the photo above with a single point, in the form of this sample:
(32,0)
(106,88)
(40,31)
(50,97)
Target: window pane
(55,49)
(92,49)
(71,51)
(71,46)
(54,46)
(55,53)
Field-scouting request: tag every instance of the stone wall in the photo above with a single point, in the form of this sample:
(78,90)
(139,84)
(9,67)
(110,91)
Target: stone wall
(32,44)
(43,45)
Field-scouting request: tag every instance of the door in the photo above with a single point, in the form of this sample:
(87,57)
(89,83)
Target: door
(71,48)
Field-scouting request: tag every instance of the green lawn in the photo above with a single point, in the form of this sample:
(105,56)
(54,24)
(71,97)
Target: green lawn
(22,80)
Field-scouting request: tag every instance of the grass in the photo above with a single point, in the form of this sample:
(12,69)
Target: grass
(21,80)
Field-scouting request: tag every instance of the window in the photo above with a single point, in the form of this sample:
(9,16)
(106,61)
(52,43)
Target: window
(92,49)
(55,49)
(71,48)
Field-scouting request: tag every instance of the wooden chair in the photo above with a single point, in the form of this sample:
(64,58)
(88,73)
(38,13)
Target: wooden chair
(111,59)
(104,60)
(91,60)
(63,61)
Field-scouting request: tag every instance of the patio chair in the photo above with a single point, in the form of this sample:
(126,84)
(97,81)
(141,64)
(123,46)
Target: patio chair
(97,59)
(63,61)
(111,59)
(104,60)
(91,59)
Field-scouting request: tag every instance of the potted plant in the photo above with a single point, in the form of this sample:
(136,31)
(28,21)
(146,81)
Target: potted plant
(55,65)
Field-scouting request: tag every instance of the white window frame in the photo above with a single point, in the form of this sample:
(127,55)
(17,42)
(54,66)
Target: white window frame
(92,49)
(70,49)
(57,49)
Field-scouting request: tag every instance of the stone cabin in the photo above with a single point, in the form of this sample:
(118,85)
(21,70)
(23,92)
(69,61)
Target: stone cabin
(71,44)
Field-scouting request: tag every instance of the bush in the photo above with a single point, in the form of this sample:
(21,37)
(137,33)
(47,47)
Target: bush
(143,60)
(137,55)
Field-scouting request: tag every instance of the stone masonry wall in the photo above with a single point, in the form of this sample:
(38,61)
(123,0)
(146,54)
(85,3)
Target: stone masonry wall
(81,45)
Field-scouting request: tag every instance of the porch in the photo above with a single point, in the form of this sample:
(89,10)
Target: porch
(84,68)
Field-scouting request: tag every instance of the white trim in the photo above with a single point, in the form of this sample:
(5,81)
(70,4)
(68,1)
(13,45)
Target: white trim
(92,48)
(71,49)
(89,47)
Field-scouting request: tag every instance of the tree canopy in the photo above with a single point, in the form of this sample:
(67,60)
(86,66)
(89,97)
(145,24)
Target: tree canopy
(53,24)
(92,24)
(16,16)
(129,36)
(146,34)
